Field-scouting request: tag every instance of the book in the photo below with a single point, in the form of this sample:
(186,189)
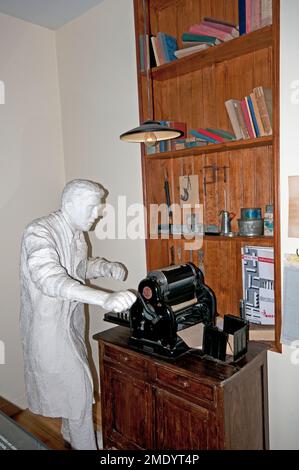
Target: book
(247,118)
(232,113)
(222,27)
(189,37)
(241,119)
(214,32)
(264,102)
(266,12)
(242,17)
(201,136)
(210,134)
(190,50)
(225,134)
(257,114)
(155,49)
(168,45)
(218,21)
(254,121)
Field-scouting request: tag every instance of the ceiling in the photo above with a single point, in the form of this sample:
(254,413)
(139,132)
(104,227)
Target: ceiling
(48,13)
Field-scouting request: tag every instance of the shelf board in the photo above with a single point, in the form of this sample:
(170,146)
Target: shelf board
(248,240)
(219,238)
(245,44)
(214,148)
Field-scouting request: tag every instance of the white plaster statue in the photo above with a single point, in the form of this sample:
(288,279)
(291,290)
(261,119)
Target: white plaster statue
(54,267)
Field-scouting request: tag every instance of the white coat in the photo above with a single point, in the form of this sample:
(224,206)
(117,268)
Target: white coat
(57,375)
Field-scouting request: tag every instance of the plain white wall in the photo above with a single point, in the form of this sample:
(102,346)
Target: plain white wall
(31,167)
(98,89)
(283,375)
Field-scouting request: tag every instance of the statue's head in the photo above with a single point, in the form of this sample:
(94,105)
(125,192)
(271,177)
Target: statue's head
(82,202)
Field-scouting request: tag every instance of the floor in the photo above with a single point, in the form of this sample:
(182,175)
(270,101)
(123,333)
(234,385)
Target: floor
(46,430)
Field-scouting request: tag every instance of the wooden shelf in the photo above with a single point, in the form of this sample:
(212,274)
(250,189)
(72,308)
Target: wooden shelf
(218,238)
(214,148)
(251,42)
(250,240)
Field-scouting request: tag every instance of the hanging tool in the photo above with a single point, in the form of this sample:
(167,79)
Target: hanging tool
(167,192)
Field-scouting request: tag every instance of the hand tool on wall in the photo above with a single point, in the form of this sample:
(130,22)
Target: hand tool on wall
(167,192)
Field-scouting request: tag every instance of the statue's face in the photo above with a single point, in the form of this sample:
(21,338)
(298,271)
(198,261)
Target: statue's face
(84,211)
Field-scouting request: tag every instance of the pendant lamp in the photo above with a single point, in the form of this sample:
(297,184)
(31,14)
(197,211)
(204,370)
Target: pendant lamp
(150,131)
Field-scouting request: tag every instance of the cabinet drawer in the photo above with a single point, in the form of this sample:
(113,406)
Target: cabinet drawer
(128,359)
(181,382)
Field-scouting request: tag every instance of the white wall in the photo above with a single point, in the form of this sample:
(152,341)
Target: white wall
(98,88)
(283,376)
(31,167)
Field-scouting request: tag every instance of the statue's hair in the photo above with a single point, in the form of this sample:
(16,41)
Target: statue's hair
(77,188)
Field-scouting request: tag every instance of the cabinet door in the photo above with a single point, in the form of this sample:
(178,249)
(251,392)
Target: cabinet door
(181,424)
(126,410)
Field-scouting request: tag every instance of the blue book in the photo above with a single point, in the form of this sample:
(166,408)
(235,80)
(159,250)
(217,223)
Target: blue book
(168,45)
(255,124)
(242,17)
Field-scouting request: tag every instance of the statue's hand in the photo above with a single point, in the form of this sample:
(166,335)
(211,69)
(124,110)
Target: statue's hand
(118,271)
(119,301)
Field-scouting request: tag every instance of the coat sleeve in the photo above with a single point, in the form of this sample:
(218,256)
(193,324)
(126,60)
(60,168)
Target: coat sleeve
(47,272)
(97,267)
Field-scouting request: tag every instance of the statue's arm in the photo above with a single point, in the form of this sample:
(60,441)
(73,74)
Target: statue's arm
(52,279)
(100,267)
(50,276)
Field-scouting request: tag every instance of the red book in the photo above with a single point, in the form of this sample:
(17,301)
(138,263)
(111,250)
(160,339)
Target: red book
(212,135)
(247,119)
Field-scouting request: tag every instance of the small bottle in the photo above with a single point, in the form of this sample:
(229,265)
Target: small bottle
(269,222)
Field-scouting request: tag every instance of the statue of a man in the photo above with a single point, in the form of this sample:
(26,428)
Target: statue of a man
(54,267)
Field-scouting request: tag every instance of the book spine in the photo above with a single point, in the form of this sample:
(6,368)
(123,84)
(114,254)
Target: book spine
(248,15)
(155,49)
(259,93)
(257,115)
(203,137)
(241,119)
(242,17)
(211,134)
(231,111)
(247,119)
(253,117)
(222,133)
(221,27)
(202,29)
(266,12)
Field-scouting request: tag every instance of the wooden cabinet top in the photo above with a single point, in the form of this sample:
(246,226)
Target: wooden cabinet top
(192,363)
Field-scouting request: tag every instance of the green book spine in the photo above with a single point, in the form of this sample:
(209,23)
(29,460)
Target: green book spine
(221,133)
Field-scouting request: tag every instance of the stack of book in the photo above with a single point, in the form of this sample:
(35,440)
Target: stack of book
(210,32)
(213,136)
(251,117)
(254,14)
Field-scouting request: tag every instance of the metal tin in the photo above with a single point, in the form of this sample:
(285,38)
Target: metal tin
(250,213)
(251,228)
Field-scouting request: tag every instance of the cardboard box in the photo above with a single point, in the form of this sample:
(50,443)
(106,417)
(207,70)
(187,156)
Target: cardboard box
(258,284)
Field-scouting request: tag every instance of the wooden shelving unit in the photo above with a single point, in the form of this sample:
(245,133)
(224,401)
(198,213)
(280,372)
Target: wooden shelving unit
(193,90)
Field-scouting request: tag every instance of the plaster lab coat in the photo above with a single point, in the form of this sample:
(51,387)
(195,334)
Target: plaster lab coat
(53,261)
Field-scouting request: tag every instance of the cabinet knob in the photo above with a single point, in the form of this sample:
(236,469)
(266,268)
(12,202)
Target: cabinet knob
(126,358)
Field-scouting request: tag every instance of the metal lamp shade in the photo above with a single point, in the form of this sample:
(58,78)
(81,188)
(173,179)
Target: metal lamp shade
(139,134)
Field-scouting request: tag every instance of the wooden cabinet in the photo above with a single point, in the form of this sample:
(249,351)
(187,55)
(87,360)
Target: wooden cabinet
(192,403)
(194,90)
